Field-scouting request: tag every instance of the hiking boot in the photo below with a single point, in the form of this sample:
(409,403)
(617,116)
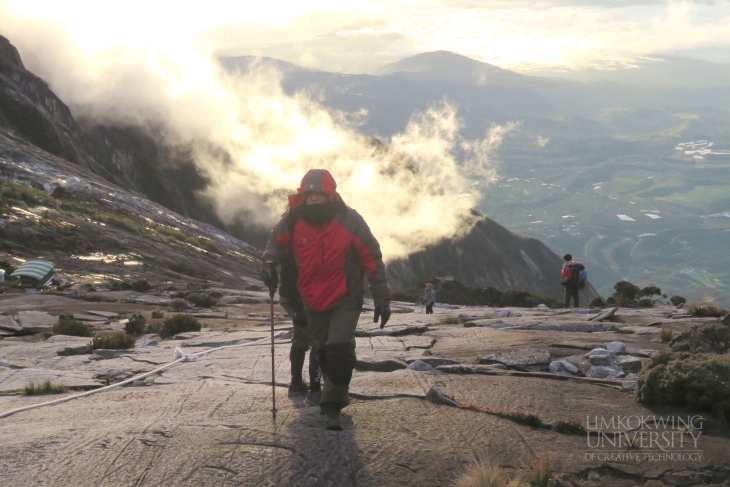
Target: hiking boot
(334,420)
(314,397)
(298,388)
(315,387)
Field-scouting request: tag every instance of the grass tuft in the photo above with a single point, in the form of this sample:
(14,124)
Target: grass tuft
(479,473)
(539,473)
(179,324)
(449,320)
(113,342)
(666,334)
(570,427)
(67,325)
(705,309)
(46,387)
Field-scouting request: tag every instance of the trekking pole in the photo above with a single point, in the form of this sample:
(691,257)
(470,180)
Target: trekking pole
(273,373)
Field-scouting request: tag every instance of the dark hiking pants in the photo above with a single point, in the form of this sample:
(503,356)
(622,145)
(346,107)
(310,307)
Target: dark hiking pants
(571,292)
(333,334)
(429,309)
(300,343)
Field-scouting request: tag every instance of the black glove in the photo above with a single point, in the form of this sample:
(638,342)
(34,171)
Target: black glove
(299,318)
(270,277)
(382,312)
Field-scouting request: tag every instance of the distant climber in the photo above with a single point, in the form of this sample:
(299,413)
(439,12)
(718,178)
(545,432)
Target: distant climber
(429,298)
(573,279)
(333,250)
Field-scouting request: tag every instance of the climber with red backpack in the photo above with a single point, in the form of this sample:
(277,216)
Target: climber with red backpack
(574,279)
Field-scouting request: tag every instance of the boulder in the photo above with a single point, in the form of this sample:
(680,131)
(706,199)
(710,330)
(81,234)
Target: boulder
(616,346)
(629,363)
(420,366)
(503,313)
(601,356)
(71,345)
(520,358)
(8,323)
(605,371)
(437,396)
(36,321)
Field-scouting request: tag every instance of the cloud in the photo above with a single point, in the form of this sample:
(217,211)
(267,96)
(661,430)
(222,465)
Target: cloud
(254,142)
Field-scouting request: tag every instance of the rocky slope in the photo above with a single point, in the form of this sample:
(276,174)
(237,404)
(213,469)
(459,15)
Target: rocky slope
(511,386)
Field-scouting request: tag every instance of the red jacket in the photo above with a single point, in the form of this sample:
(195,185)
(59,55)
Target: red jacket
(333,259)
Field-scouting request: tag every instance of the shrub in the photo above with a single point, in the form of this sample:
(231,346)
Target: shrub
(666,333)
(625,293)
(570,427)
(650,291)
(135,325)
(46,387)
(711,338)
(646,303)
(67,325)
(179,304)
(179,324)
(141,286)
(120,286)
(201,300)
(697,381)
(705,309)
(156,315)
(539,473)
(597,303)
(479,473)
(154,328)
(677,300)
(113,342)
(610,301)
(449,320)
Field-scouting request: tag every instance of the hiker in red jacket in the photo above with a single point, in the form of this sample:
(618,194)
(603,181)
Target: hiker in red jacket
(334,250)
(572,285)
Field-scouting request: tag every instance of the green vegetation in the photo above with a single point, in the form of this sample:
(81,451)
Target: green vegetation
(67,325)
(678,300)
(179,324)
(666,333)
(539,473)
(201,300)
(705,309)
(10,191)
(698,381)
(569,427)
(115,217)
(33,389)
(179,304)
(449,320)
(136,325)
(119,341)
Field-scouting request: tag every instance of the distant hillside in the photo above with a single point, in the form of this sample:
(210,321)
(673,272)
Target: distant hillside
(452,67)
(656,71)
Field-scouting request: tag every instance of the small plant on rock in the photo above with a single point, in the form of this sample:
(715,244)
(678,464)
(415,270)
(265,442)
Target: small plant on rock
(179,304)
(479,473)
(179,324)
(539,473)
(46,387)
(136,324)
(119,341)
(666,333)
(705,309)
(67,325)
(202,300)
(141,286)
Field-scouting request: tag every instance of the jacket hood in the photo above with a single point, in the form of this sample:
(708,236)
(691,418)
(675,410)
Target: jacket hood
(318,180)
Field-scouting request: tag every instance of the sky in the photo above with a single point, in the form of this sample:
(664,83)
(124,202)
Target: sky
(358,36)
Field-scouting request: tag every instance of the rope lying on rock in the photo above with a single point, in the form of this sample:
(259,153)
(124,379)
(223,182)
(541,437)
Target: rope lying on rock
(184,358)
